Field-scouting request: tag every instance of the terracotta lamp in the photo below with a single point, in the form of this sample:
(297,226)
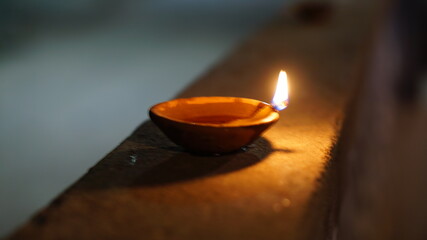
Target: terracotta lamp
(218,124)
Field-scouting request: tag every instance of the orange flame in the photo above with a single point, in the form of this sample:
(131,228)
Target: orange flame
(281,99)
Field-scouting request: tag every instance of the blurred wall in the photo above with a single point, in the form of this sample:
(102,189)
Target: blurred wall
(76,77)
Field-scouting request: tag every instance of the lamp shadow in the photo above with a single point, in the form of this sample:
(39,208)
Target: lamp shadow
(181,165)
(185,166)
(147,158)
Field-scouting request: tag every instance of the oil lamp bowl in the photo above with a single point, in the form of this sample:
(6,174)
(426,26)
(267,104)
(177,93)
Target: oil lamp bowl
(213,124)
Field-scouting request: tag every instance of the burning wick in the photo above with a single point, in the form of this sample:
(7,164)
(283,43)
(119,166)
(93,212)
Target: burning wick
(281,99)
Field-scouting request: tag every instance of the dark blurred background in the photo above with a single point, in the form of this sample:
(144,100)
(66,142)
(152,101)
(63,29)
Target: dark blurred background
(76,77)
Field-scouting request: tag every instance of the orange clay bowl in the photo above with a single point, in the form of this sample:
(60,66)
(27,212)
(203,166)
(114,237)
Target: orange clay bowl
(212,125)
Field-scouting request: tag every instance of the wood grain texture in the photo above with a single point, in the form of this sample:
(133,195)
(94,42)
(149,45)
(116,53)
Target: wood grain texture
(281,187)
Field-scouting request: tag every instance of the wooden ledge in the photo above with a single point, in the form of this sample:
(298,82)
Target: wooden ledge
(281,187)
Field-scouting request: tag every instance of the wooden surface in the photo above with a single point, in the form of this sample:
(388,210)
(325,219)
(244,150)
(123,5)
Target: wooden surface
(282,187)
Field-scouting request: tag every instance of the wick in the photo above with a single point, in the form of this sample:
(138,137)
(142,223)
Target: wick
(258,108)
(281,106)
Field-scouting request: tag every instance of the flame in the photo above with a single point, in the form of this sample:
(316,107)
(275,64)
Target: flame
(281,99)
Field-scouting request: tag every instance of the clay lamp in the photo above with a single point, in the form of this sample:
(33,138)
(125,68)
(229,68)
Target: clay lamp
(214,125)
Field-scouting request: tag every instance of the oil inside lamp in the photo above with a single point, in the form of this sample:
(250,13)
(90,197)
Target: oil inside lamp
(218,124)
